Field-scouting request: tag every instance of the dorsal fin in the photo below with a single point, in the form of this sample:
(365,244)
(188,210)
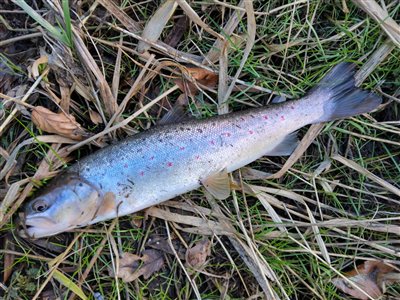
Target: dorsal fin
(177,113)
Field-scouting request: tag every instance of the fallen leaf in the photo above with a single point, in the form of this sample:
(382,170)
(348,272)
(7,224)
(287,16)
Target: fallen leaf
(95,117)
(178,30)
(137,220)
(371,277)
(36,66)
(162,244)
(65,95)
(201,76)
(156,24)
(153,261)
(59,123)
(197,255)
(131,266)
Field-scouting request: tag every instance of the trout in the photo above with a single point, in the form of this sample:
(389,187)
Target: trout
(168,160)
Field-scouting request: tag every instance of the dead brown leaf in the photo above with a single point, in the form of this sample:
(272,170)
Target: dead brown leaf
(59,123)
(95,117)
(371,277)
(178,30)
(137,220)
(201,76)
(162,244)
(156,24)
(35,72)
(197,255)
(131,266)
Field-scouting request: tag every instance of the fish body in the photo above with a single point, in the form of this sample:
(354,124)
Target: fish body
(166,161)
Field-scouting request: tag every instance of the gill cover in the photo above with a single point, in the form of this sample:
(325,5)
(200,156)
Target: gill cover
(67,203)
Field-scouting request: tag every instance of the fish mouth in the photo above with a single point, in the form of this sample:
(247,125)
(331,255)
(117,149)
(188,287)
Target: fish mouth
(35,232)
(35,227)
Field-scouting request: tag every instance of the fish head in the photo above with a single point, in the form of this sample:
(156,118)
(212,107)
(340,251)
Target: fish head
(67,203)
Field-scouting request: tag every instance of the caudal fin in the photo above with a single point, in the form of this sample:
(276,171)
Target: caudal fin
(344,99)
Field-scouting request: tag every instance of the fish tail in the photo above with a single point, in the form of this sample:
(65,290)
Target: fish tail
(344,98)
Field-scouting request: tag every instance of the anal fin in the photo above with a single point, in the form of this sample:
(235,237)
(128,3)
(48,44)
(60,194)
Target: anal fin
(218,185)
(285,147)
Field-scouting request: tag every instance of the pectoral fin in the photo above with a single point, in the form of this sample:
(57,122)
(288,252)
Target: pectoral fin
(218,185)
(106,205)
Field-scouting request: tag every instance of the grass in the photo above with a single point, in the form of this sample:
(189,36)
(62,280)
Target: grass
(296,43)
(61,34)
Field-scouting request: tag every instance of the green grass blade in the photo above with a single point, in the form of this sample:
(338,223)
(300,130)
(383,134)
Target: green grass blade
(67,21)
(69,284)
(38,18)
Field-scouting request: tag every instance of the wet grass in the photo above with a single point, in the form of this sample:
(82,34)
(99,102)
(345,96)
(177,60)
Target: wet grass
(296,43)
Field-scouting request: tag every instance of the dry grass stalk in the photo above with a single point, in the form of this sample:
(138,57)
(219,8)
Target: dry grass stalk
(351,164)
(109,102)
(375,11)
(118,13)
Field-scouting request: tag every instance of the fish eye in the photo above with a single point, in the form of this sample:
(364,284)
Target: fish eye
(39,205)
